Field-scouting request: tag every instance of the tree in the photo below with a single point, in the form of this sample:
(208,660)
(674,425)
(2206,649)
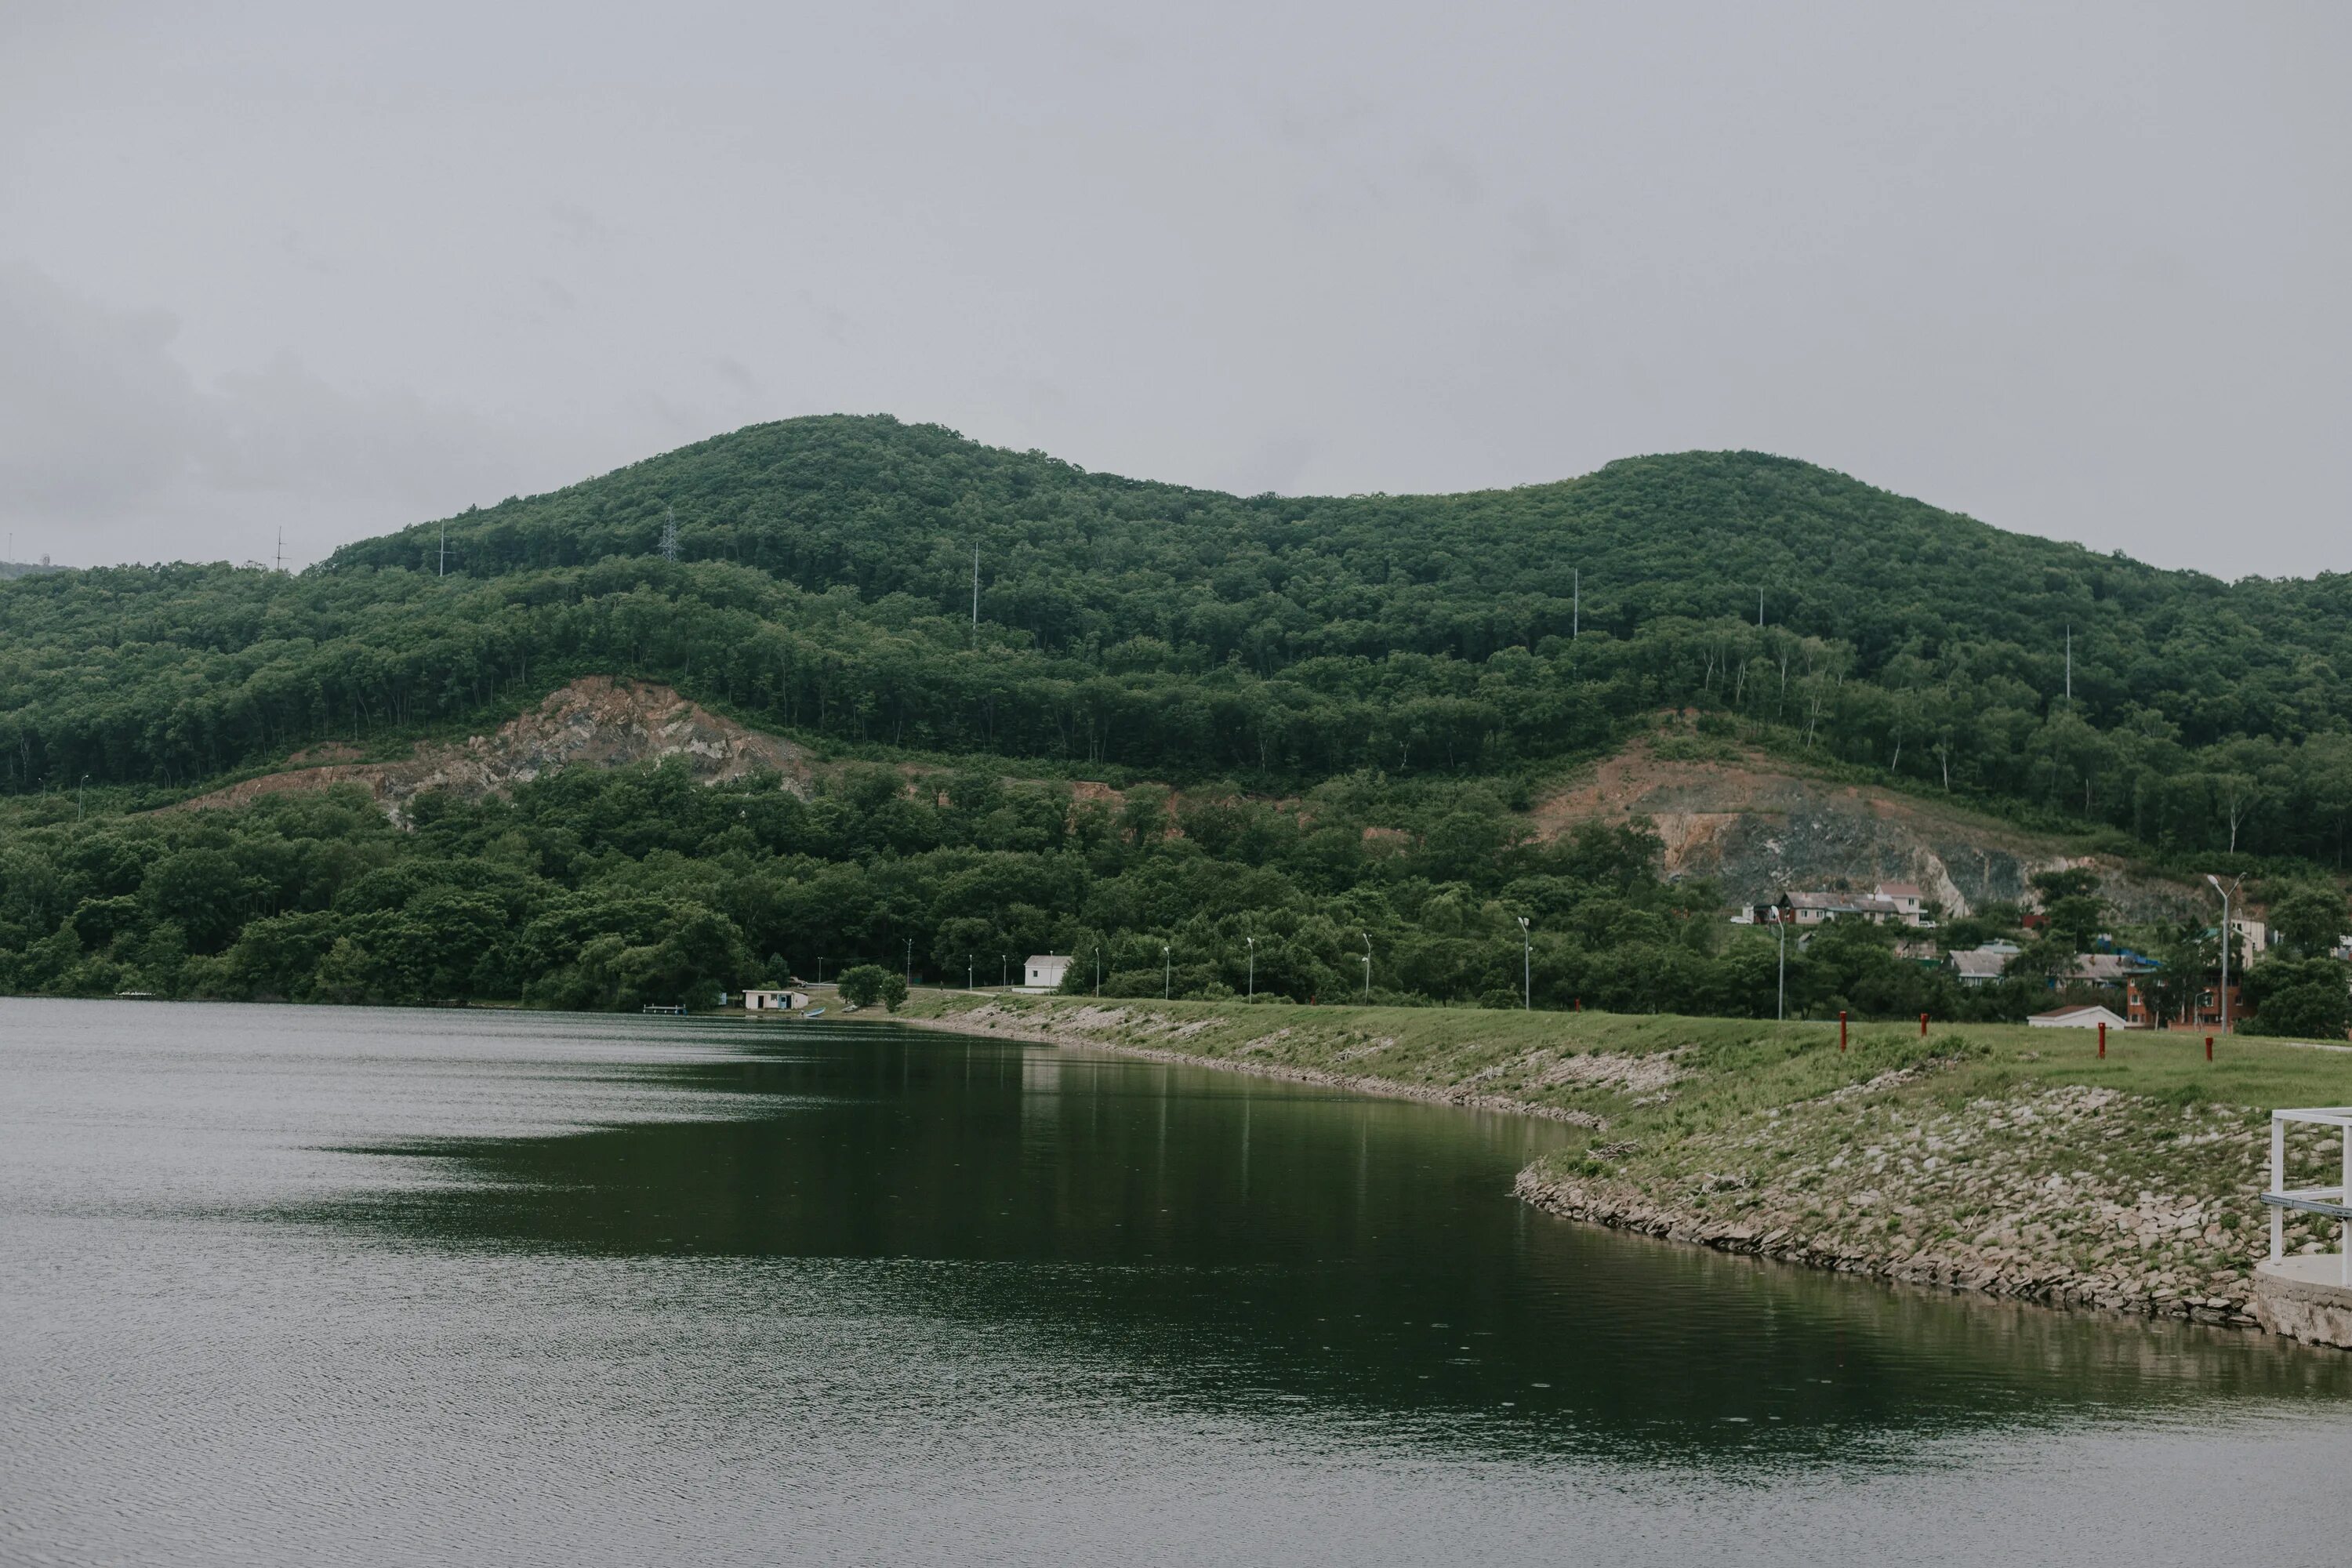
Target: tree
(2310,918)
(2307,998)
(863,985)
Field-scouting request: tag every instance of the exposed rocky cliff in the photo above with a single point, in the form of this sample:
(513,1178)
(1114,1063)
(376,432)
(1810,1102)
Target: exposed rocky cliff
(596,722)
(1756,827)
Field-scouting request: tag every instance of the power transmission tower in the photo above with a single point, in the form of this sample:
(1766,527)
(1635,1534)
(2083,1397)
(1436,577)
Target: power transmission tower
(669,533)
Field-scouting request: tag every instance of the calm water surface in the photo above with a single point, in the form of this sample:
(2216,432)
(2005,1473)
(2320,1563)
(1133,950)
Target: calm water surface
(290,1285)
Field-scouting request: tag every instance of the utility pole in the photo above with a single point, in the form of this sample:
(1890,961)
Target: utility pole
(80,791)
(1253,966)
(1003,970)
(1576,606)
(2069,669)
(1167,972)
(2225,893)
(443,571)
(1759,609)
(967,971)
(1526,966)
(1097,969)
(910,962)
(975,592)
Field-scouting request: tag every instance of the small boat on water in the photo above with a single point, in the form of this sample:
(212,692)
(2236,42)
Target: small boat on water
(814,1013)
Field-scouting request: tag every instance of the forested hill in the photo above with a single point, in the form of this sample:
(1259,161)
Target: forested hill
(1071,557)
(822,585)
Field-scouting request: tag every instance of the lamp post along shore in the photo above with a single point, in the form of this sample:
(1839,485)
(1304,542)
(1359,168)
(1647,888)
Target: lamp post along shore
(1526,966)
(2225,893)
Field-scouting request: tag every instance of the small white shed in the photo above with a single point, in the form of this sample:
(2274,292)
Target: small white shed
(1043,971)
(774,1001)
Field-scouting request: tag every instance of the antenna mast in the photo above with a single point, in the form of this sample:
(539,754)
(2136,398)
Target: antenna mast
(669,533)
(281,549)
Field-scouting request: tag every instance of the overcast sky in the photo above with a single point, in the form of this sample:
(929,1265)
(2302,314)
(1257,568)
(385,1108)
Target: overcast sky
(2080,269)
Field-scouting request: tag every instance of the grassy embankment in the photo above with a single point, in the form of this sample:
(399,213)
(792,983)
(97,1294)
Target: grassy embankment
(1995,1158)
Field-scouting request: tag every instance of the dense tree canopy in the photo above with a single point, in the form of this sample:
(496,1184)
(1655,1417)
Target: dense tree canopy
(824,585)
(605,889)
(1397,669)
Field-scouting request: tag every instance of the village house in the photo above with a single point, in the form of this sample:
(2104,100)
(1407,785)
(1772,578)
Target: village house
(2204,1010)
(775,1000)
(1898,904)
(1983,965)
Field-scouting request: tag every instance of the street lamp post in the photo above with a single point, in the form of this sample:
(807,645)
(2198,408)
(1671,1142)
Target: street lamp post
(2225,893)
(1780,1008)
(1526,966)
(1097,969)
(1368,967)
(79,791)
(1003,970)
(1167,972)
(1253,966)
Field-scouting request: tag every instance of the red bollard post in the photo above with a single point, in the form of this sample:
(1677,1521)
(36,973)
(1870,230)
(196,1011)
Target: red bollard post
(1840,1029)
(2209,1048)
(2103,1039)
(1923,1025)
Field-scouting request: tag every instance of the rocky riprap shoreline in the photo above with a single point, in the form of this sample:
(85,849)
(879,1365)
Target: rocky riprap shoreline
(2069,1195)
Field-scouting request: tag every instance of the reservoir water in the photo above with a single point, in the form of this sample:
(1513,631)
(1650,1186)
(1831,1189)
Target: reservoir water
(305,1285)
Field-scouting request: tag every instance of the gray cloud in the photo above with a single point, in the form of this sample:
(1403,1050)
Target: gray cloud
(2073,269)
(109,449)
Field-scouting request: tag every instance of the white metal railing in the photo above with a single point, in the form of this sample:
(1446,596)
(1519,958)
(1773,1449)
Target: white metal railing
(2331,1201)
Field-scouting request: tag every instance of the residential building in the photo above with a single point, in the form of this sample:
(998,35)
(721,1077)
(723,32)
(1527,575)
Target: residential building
(1817,909)
(2204,1010)
(1910,905)
(1983,965)
(772,1000)
(2109,968)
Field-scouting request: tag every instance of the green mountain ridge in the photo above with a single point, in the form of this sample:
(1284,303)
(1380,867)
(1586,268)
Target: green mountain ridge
(1358,700)
(824,586)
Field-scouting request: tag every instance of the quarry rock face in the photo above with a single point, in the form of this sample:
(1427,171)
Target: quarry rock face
(596,721)
(1758,827)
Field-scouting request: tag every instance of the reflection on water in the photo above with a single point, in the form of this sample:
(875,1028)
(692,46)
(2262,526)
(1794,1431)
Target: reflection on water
(295,1279)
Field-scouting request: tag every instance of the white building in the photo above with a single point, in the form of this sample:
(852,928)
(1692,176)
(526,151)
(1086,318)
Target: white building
(774,1001)
(1043,971)
(1910,904)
